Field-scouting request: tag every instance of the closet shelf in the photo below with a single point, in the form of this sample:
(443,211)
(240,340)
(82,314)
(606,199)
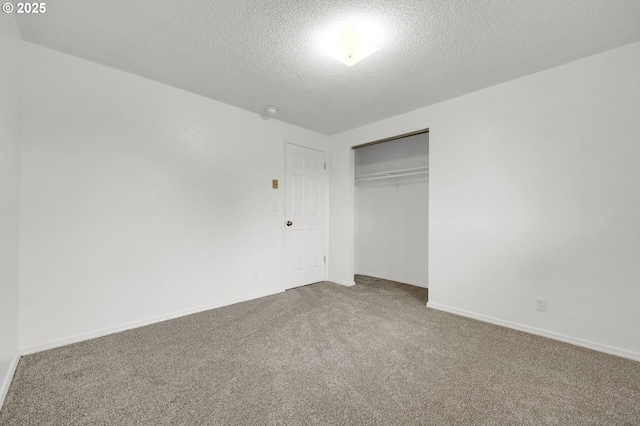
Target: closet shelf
(393,174)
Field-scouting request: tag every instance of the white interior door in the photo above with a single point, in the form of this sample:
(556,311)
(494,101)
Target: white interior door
(304,216)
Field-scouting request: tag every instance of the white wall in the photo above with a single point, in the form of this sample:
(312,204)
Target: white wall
(534,191)
(10,45)
(139,201)
(391,214)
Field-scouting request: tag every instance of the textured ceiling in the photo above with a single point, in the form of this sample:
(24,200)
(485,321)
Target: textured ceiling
(257,53)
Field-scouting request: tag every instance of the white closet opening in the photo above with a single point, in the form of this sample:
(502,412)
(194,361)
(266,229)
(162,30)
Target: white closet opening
(392,209)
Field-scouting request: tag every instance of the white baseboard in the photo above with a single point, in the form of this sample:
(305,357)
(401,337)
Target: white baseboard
(135,324)
(544,333)
(344,283)
(6,382)
(400,280)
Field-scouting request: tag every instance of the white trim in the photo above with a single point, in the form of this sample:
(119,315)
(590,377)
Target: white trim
(344,283)
(356,213)
(4,389)
(327,211)
(135,324)
(283,214)
(545,333)
(400,280)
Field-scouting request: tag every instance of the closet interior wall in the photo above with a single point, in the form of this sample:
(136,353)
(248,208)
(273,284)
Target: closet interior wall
(392,210)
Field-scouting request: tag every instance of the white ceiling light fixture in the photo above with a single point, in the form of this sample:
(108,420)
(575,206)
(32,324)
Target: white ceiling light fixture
(353,47)
(353,39)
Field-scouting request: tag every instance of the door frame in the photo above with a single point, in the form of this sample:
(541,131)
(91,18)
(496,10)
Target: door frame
(283,208)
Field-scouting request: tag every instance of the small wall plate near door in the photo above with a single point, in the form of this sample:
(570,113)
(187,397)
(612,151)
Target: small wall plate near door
(540,304)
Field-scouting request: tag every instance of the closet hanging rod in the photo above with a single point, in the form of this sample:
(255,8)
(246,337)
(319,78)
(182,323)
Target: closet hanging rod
(394,172)
(389,176)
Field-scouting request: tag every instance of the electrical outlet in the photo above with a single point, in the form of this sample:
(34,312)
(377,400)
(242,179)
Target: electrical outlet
(540,304)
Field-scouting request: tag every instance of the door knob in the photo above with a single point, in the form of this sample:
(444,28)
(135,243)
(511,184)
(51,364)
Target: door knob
(289,223)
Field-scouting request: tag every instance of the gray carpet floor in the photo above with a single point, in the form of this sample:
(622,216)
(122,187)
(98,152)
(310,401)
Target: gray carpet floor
(324,354)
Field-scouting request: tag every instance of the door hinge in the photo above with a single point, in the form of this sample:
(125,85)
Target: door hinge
(325,259)
(325,165)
